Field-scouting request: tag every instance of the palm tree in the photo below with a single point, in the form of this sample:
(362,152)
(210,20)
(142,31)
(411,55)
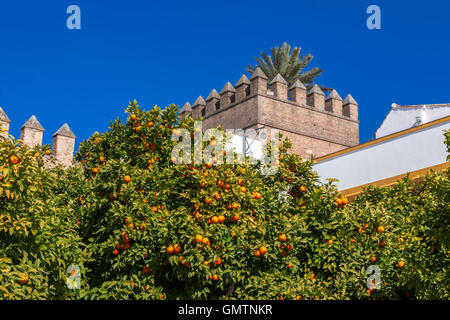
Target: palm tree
(288,65)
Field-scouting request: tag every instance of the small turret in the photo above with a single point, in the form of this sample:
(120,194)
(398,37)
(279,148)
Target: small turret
(258,82)
(333,103)
(297,92)
(32,132)
(350,108)
(186,110)
(212,102)
(227,95)
(316,98)
(198,108)
(279,87)
(64,145)
(242,88)
(4,123)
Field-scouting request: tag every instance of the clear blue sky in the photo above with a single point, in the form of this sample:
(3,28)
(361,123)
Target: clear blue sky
(172,52)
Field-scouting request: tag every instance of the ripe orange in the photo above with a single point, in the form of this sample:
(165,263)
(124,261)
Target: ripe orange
(177,248)
(243,189)
(101,159)
(221,219)
(282,237)
(133,117)
(263,250)
(303,189)
(24,279)
(95,170)
(214,220)
(48,152)
(373,259)
(217,196)
(150,124)
(218,261)
(240,182)
(169,250)
(289,247)
(401,264)
(344,200)
(234,205)
(198,238)
(339,202)
(36,155)
(289,266)
(382,244)
(208,200)
(115,252)
(145,270)
(215,277)
(14,159)
(380,229)
(205,241)
(312,277)
(127,179)
(257,253)
(235,218)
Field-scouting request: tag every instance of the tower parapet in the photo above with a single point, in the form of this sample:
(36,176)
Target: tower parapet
(307,118)
(31,134)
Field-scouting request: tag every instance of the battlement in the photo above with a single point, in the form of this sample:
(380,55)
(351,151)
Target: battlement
(312,121)
(32,132)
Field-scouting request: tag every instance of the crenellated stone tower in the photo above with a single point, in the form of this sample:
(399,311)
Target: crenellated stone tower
(315,125)
(32,133)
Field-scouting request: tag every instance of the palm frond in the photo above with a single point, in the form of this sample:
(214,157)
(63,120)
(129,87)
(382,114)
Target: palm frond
(290,64)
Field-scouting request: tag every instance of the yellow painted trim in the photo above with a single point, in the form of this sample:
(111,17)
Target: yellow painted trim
(351,193)
(382,139)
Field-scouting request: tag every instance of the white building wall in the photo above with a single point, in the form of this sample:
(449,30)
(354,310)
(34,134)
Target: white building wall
(406,153)
(402,118)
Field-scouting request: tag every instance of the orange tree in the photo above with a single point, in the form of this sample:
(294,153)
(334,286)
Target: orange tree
(160,230)
(38,235)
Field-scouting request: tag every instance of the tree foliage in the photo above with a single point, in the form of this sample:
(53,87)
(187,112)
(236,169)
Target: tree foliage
(141,227)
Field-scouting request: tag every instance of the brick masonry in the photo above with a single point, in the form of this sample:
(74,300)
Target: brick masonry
(309,120)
